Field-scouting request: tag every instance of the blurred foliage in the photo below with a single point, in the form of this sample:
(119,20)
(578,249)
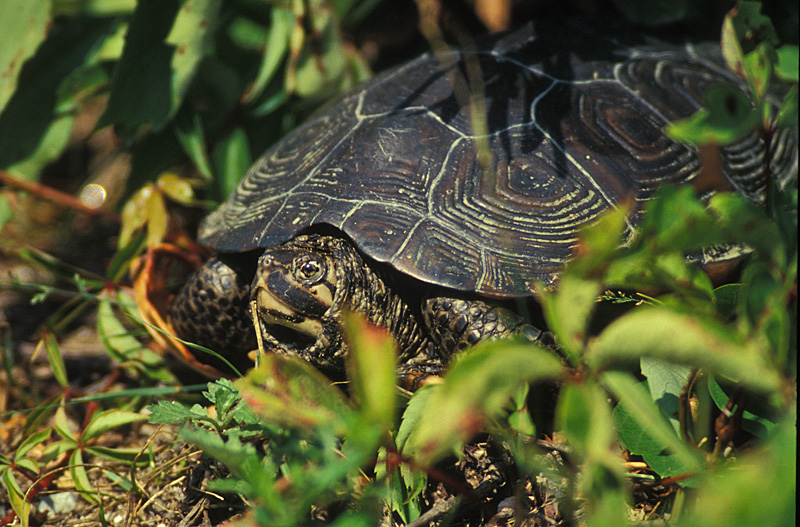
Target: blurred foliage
(210,80)
(675,381)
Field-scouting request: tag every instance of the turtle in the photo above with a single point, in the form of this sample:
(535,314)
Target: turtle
(382,203)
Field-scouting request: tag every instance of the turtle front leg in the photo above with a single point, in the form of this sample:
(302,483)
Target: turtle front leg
(456,324)
(212,310)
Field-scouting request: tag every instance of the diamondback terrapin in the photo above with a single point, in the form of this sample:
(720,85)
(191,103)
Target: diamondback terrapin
(379,203)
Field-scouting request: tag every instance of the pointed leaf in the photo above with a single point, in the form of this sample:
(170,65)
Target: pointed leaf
(141,92)
(28,464)
(681,338)
(104,421)
(62,425)
(80,478)
(176,188)
(288,391)
(371,367)
(127,455)
(190,132)
(568,311)
(232,159)
(134,214)
(190,35)
(728,116)
(56,360)
(277,43)
(644,430)
(583,415)
(666,382)
(787,114)
(24,25)
(31,442)
(786,67)
(16,496)
(477,387)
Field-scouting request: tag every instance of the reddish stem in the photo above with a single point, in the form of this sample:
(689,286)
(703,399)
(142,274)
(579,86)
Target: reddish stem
(56,196)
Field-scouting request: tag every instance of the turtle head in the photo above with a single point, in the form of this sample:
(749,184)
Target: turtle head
(299,290)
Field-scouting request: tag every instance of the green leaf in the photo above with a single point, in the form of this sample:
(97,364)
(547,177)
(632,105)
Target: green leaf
(176,188)
(413,415)
(144,68)
(31,442)
(49,147)
(726,298)
(743,29)
(134,215)
(31,113)
(584,417)
(477,387)
(6,212)
(256,475)
(223,395)
(413,481)
(786,66)
(80,85)
(666,382)
(80,478)
(173,412)
(108,420)
(599,240)
(232,159)
(16,496)
(681,338)
(28,464)
(192,138)
(121,345)
(764,302)
(23,26)
(759,424)
(745,222)
(56,360)
(56,449)
(371,368)
(190,35)
(520,418)
(787,114)
(679,221)
(568,310)
(758,64)
(97,8)
(643,429)
(122,454)
(288,391)
(768,472)
(275,47)
(62,426)
(728,116)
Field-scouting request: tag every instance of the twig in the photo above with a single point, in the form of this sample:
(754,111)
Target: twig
(439,509)
(56,196)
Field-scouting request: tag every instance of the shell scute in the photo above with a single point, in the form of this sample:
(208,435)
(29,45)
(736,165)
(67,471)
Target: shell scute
(574,121)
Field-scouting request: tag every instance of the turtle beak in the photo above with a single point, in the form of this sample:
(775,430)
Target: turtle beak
(282,301)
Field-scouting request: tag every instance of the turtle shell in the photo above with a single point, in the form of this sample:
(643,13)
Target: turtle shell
(573,122)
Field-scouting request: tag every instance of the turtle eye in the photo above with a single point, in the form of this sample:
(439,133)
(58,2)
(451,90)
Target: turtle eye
(309,270)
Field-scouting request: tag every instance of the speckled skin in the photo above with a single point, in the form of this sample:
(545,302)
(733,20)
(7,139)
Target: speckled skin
(215,311)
